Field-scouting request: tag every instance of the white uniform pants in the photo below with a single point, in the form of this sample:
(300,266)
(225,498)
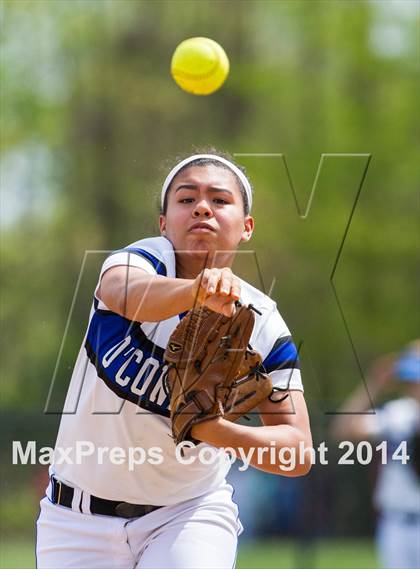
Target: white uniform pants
(197,534)
(399,541)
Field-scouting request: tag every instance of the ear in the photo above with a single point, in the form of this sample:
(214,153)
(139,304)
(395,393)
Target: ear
(162,224)
(248,228)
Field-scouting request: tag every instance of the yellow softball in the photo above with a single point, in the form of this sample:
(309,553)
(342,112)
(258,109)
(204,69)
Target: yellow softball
(199,66)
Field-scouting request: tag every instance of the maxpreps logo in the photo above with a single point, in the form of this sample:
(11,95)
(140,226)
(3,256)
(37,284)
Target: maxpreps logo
(132,367)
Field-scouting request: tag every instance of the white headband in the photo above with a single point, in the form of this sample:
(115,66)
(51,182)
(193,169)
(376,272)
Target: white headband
(231,166)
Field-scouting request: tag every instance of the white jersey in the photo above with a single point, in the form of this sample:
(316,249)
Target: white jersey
(116,398)
(398,487)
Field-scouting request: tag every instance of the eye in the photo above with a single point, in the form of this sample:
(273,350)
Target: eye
(186,200)
(220,201)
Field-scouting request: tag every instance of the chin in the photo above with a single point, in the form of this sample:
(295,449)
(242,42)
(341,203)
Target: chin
(200,244)
(200,249)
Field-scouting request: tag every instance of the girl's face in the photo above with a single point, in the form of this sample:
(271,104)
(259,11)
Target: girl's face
(205,211)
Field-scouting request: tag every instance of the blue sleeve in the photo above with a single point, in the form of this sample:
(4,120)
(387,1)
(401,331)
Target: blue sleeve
(283,355)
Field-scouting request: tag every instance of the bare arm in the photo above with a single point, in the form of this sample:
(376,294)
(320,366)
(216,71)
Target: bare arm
(352,422)
(285,424)
(137,295)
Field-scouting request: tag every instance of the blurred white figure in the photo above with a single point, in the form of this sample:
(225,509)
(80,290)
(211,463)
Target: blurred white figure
(397,492)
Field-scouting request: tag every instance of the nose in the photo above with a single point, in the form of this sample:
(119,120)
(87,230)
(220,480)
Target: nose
(202,209)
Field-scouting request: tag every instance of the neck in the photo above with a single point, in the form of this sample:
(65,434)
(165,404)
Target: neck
(189,265)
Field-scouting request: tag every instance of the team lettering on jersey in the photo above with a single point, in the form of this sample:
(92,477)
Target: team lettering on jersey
(127,360)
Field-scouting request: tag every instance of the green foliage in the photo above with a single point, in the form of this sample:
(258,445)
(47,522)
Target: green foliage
(19,510)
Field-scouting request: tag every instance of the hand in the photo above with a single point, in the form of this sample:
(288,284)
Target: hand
(382,372)
(218,289)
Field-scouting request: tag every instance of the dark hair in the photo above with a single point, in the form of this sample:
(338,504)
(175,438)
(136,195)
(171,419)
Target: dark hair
(206,162)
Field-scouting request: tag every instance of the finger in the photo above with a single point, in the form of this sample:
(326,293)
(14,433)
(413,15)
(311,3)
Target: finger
(226,282)
(235,289)
(204,278)
(213,281)
(200,286)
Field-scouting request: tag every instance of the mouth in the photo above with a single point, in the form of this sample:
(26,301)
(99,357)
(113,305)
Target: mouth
(201,227)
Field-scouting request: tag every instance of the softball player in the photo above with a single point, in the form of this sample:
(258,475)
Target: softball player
(172,509)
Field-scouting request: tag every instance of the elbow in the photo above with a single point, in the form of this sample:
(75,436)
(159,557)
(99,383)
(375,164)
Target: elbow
(293,470)
(303,469)
(304,463)
(298,461)
(111,292)
(306,455)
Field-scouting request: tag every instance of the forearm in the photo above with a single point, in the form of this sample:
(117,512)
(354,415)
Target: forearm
(352,421)
(144,297)
(378,379)
(361,399)
(348,423)
(262,445)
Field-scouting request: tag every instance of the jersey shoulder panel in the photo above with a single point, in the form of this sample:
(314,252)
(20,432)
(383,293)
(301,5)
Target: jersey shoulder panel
(155,255)
(272,339)
(269,325)
(158,251)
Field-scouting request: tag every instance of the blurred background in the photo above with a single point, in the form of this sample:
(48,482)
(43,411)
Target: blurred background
(90,122)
